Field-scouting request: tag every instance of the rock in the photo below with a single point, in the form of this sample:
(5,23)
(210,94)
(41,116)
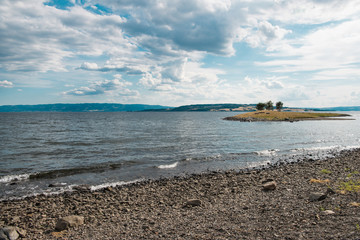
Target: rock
(328,212)
(316,196)
(193,203)
(54,185)
(11,233)
(354,204)
(330,191)
(82,188)
(269,185)
(3,235)
(69,221)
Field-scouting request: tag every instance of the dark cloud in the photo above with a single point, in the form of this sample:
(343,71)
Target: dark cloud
(188,25)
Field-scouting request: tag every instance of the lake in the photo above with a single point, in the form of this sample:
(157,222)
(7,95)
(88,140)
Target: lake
(54,152)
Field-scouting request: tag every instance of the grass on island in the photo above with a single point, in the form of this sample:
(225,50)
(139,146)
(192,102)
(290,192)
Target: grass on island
(285,116)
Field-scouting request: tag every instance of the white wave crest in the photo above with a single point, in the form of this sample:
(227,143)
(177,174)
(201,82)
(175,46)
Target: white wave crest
(325,148)
(173,165)
(350,147)
(113,184)
(10,178)
(268,152)
(258,164)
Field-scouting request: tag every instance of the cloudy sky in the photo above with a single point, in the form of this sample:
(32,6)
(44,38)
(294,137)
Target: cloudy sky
(174,52)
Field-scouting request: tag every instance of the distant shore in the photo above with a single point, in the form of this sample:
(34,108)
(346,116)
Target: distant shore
(305,200)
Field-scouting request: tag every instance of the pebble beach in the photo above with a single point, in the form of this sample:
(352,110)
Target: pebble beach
(304,200)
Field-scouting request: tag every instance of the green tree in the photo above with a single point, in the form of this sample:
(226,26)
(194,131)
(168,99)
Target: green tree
(260,106)
(279,106)
(269,105)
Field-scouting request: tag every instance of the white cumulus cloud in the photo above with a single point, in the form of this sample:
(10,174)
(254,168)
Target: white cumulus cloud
(166,47)
(6,84)
(37,37)
(115,87)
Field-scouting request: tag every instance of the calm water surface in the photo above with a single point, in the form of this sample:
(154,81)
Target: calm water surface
(98,149)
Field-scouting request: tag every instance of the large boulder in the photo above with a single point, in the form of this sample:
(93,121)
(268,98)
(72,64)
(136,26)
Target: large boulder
(3,235)
(68,222)
(11,233)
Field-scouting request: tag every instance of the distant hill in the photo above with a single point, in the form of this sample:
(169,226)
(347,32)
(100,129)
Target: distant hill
(227,107)
(216,107)
(80,107)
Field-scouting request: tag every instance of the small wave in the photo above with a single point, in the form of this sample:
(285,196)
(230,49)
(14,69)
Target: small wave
(167,166)
(204,158)
(324,148)
(69,143)
(113,184)
(258,164)
(68,188)
(219,157)
(268,152)
(351,147)
(47,192)
(12,178)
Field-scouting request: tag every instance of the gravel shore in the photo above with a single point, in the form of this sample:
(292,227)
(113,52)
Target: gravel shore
(305,200)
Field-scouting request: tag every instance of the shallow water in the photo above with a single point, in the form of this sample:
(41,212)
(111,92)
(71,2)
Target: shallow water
(68,149)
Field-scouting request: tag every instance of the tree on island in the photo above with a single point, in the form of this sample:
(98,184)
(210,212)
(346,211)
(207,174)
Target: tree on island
(269,105)
(279,106)
(260,106)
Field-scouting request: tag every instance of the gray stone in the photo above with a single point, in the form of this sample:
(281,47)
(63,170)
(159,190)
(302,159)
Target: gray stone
(54,185)
(316,196)
(69,221)
(9,233)
(271,185)
(3,235)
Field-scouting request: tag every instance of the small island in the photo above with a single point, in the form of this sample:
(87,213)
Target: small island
(270,115)
(265,112)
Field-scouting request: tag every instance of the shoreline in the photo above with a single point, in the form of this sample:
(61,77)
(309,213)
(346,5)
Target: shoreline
(250,119)
(225,205)
(277,116)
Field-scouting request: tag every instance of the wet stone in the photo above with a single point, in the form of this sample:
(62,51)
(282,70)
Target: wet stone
(69,221)
(316,196)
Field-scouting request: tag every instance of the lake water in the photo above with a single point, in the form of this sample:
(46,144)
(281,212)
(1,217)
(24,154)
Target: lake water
(102,149)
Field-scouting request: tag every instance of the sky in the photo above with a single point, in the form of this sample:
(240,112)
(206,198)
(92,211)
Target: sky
(304,53)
